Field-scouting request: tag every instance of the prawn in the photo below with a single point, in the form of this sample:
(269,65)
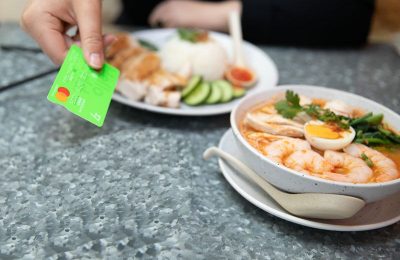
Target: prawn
(308,161)
(278,150)
(277,147)
(347,168)
(383,168)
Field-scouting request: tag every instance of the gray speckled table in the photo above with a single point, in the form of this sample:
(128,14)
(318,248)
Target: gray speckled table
(138,188)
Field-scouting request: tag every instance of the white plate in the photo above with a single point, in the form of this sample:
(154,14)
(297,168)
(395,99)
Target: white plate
(256,58)
(375,215)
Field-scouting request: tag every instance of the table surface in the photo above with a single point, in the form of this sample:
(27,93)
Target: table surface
(137,187)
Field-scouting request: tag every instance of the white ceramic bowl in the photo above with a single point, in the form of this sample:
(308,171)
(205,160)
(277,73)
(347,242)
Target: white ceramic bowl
(293,181)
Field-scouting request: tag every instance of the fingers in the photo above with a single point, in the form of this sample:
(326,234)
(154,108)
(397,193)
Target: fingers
(157,16)
(194,14)
(88,15)
(53,44)
(49,34)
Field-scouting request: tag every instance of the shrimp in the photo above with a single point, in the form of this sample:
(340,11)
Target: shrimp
(277,147)
(347,168)
(278,150)
(262,140)
(308,161)
(383,168)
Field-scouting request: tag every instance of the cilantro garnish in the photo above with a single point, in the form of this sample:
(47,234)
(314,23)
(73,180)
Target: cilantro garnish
(290,107)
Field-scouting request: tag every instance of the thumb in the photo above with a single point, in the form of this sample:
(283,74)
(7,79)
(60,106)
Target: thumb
(88,15)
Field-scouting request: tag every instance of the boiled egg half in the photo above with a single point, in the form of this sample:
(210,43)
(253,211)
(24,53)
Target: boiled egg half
(324,136)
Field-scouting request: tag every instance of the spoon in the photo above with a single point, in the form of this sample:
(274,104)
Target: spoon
(238,73)
(309,205)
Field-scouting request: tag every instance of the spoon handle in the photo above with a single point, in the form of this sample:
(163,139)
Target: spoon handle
(235,29)
(244,169)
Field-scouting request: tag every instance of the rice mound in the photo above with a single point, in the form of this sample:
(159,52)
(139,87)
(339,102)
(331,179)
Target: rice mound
(207,59)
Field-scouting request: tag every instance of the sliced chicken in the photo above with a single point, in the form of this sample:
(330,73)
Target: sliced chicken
(339,108)
(141,66)
(142,76)
(269,109)
(274,119)
(302,118)
(165,80)
(134,90)
(121,57)
(274,124)
(166,98)
(123,42)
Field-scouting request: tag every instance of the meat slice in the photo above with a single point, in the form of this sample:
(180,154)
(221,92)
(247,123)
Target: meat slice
(122,56)
(166,98)
(133,90)
(141,67)
(124,41)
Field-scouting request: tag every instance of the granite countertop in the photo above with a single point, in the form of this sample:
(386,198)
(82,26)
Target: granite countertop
(138,187)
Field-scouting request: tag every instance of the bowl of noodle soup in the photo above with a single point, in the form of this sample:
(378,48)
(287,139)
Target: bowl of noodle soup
(367,181)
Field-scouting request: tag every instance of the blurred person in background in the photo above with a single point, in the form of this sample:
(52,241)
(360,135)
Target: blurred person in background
(284,22)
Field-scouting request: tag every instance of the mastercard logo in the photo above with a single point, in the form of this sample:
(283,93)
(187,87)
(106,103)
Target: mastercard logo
(62,94)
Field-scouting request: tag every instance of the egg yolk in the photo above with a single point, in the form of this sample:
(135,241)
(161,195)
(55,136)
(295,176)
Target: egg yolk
(241,74)
(322,131)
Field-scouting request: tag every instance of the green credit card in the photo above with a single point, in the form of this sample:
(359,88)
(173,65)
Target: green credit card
(82,90)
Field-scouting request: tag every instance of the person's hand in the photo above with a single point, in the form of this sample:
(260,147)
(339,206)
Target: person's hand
(48,20)
(194,14)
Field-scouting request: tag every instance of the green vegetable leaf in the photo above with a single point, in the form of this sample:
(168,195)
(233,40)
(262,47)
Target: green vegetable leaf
(286,110)
(375,119)
(293,99)
(290,107)
(312,110)
(392,136)
(360,120)
(367,160)
(147,45)
(368,119)
(188,35)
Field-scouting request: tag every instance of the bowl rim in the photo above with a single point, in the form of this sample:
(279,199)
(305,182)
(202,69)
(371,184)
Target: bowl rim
(260,156)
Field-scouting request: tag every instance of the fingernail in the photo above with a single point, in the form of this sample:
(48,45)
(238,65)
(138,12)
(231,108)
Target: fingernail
(95,60)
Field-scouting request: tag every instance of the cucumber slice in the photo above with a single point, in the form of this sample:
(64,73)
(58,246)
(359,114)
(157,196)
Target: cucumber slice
(216,94)
(238,92)
(227,90)
(198,95)
(193,83)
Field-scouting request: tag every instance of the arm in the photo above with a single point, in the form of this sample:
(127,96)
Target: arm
(307,22)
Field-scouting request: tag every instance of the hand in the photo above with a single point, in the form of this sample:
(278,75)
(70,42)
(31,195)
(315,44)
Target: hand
(47,22)
(194,14)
